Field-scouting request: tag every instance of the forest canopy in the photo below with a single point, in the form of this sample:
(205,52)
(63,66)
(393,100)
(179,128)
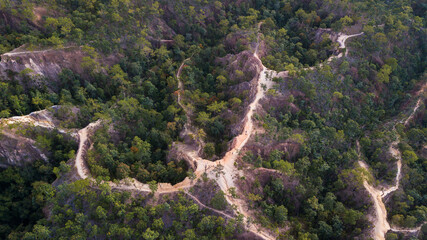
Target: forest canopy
(167,77)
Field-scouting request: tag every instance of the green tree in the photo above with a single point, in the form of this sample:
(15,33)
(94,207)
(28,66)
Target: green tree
(101,213)
(391,236)
(209,149)
(122,171)
(153,186)
(383,76)
(280,214)
(203,118)
(409,157)
(150,234)
(140,151)
(39,232)
(218,201)
(217,107)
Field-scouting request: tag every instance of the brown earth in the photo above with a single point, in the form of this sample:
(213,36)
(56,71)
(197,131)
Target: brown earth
(48,63)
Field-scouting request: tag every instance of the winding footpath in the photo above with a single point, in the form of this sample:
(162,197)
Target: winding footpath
(381,224)
(188,126)
(82,169)
(342,38)
(223,170)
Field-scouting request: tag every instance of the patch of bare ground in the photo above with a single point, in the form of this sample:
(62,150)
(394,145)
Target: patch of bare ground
(39,12)
(16,150)
(158,29)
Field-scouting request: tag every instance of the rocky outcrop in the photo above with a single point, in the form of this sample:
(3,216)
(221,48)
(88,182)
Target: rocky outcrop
(47,63)
(17,151)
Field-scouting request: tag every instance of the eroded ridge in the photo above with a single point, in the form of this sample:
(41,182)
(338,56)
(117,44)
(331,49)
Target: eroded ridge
(223,170)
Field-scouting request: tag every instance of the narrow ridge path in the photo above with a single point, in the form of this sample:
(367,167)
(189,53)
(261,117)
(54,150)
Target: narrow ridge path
(381,224)
(229,171)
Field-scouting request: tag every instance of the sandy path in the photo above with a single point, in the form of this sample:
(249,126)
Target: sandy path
(396,154)
(342,38)
(80,163)
(381,224)
(413,112)
(229,172)
(180,103)
(211,209)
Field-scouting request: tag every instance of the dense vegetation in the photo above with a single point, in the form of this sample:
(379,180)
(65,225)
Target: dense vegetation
(322,112)
(408,206)
(25,190)
(79,211)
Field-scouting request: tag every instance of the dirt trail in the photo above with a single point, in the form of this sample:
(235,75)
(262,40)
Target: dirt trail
(381,225)
(413,112)
(342,38)
(17,52)
(396,154)
(82,168)
(180,103)
(229,172)
(224,167)
(227,163)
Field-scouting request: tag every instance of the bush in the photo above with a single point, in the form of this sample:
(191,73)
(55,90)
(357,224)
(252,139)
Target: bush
(218,201)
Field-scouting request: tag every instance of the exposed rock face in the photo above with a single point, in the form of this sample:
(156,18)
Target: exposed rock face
(17,151)
(47,63)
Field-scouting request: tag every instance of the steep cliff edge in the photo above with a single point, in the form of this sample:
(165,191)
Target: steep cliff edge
(47,63)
